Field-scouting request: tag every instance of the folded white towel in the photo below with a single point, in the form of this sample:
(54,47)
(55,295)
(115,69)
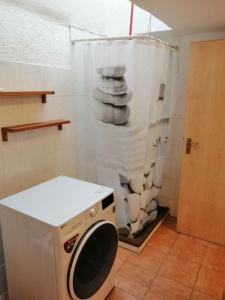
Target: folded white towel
(112,86)
(112,71)
(117,100)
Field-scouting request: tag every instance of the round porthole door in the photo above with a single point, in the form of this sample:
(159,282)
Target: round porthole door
(92,260)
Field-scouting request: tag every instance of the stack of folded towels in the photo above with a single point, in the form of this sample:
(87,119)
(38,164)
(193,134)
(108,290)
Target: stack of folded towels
(112,96)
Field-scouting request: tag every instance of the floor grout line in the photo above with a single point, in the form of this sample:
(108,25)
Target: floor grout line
(156,273)
(120,288)
(176,238)
(200,266)
(192,263)
(161,264)
(164,260)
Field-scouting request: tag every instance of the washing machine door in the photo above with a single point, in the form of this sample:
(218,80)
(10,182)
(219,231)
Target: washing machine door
(92,260)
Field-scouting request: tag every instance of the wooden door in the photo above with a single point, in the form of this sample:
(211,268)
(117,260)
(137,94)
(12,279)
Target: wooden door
(202,191)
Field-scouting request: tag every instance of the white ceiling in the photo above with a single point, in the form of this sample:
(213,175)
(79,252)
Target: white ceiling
(188,16)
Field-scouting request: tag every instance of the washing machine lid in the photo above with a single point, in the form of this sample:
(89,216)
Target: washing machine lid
(58,200)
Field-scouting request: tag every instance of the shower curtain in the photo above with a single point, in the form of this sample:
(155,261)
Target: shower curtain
(123,112)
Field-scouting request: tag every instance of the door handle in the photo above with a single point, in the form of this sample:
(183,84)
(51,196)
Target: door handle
(189,143)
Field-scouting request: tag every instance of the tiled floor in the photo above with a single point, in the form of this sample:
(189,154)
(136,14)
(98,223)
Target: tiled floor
(171,267)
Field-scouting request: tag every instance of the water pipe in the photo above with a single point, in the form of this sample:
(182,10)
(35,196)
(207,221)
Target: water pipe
(131,17)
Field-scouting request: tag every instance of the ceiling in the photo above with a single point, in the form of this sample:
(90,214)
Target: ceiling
(188,16)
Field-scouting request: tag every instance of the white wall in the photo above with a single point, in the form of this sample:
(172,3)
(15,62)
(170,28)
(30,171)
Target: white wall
(27,38)
(34,55)
(172,176)
(31,157)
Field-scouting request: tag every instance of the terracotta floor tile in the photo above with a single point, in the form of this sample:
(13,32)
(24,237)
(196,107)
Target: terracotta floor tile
(118,294)
(216,246)
(177,271)
(150,259)
(210,282)
(167,230)
(187,250)
(161,241)
(123,253)
(118,263)
(195,241)
(199,296)
(170,222)
(214,259)
(166,289)
(183,272)
(134,280)
(169,226)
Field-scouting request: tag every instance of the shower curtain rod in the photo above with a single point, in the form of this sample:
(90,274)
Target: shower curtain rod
(129,37)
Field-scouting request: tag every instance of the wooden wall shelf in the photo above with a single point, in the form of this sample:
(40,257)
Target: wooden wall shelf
(23,127)
(43,94)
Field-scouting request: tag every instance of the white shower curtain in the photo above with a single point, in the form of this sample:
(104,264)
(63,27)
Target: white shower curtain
(123,113)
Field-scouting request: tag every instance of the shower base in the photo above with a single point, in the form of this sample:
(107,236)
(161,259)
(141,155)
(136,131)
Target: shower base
(138,243)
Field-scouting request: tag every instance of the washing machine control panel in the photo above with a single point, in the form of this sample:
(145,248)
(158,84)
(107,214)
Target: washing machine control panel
(107,201)
(93,212)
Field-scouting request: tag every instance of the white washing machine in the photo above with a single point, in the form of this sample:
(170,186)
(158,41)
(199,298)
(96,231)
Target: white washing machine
(60,241)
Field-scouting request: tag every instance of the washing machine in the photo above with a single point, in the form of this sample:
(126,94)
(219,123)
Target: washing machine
(60,241)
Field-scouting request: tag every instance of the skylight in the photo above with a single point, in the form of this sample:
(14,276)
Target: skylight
(158,25)
(118,19)
(106,17)
(112,18)
(145,22)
